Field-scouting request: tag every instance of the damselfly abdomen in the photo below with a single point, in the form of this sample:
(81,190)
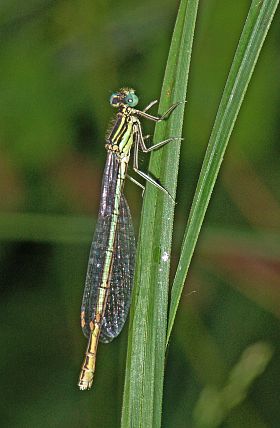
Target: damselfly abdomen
(109,279)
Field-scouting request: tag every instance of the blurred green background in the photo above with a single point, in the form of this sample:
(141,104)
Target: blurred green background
(59,62)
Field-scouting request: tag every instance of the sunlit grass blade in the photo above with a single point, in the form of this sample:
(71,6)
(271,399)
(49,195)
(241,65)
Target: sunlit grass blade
(253,36)
(148,320)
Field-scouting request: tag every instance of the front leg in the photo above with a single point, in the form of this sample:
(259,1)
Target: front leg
(151,104)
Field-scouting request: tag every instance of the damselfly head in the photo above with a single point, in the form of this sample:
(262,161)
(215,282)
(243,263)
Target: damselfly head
(125,96)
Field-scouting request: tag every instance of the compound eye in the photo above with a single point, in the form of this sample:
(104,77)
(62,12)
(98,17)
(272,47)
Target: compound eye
(115,100)
(131,99)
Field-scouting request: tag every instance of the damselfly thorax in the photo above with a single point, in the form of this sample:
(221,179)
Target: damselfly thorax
(109,279)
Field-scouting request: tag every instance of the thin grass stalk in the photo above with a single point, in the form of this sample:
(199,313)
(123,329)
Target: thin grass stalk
(251,41)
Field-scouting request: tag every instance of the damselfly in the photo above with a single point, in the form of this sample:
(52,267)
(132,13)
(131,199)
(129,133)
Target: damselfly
(109,279)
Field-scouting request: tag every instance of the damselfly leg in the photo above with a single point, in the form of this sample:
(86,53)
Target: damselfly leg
(150,105)
(137,183)
(157,118)
(140,141)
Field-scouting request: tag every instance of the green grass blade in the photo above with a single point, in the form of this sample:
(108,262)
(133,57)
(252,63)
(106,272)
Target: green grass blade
(254,33)
(148,321)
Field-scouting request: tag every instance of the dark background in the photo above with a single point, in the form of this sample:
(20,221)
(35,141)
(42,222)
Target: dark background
(59,62)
